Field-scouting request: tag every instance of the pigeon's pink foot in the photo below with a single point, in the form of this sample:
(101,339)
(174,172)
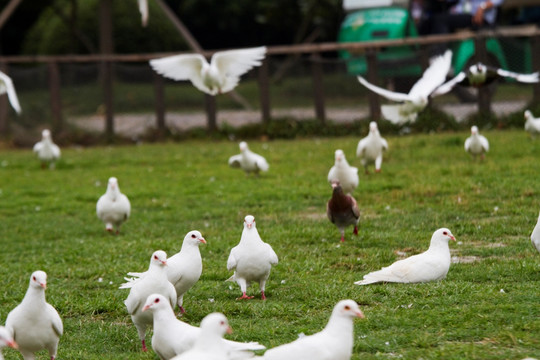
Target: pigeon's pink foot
(244,297)
(109,230)
(144,348)
(263,297)
(52,358)
(182,310)
(342,238)
(355,231)
(378,170)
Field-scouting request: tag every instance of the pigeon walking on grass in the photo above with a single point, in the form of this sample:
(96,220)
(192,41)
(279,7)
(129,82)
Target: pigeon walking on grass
(47,151)
(371,148)
(248,161)
(334,342)
(173,337)
(476,144)
(6,340)
(154,281)
(219,76)
(35,324)
(343,173)
(251,259)
(342,210)
(431,265)
(532,124)
(113,208)
(6,86)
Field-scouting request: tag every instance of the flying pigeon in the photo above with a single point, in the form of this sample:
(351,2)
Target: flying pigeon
(532,124)
(370,149)
(251,259)
(6,340)
(6,86)
(535,236)
(248,161)
(184,268)
(113,208)
(34,323)
(476,144)
(173,337)
(143,8)
(342,172)
(417,98)
(220,76)
(46,150)
(431,265)
(154,281)
(334,342)
(478,75)
(342,210)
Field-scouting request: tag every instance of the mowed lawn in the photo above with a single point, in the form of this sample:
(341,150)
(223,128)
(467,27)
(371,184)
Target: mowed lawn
(487,308)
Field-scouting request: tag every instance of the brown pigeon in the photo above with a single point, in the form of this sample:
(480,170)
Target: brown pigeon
(342,210)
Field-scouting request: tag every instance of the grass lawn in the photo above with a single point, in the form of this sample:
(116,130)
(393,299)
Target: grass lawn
(487,307)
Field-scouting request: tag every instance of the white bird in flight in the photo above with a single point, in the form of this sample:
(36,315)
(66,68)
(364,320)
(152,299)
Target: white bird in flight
(143,8)
(6,86)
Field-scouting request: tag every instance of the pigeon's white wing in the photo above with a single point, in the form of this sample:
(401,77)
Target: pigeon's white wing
(182,67)
(234,63)
(56,322)
(143,8)
(272,254)
(362,144)
(261,162)
(390,95)
(7,86)
(449,85)
(38,146)
(332,174)
(384,144)
(56,151)
(304,348)
(468,144)
(433,77)
(232,261)
(133,303)
(234,161)
(484,142)
(524,78)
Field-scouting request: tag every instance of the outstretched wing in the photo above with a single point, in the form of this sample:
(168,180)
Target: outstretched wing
(234,63)
(7,85)
(449,85)
(524,78)
(433,77)
(143,8)
(182,67)
(390,95)
(234,161)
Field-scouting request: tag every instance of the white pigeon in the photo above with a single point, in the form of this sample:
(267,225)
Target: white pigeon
(154,281)
(431,265)
(6,339)
(47,151)
(173,337)
(219,76)
(184,268)
(34,323)
(251,259)
(6,86)
(532,124)
(535,236)
(334,342)
(417,98)
(143,8)
(476,144)
(343,173)
(371,148)
(248,161)
(113,207)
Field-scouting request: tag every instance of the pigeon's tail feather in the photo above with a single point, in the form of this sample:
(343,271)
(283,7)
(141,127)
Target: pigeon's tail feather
(243,346)
(378,276)
(263,165)
(232,278)
(130,281)
(393,113)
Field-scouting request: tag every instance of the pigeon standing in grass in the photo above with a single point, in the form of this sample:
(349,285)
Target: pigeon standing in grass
(6,340)
(476,144)
(154,281)
(334,342)
(219,76)
(535,236)
(248,161)
(532,124)
(431,265)
(34,323)
(342,210)
(251,259)
(371,148)
(6,86)
(47,151)
(173,337)
(113,208)
(343,173)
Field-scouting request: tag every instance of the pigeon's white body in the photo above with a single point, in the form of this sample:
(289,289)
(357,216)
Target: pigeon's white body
(113,208)
(251,259)
(154,281)
(476,144)
(248,161)
(343,173)
(334,342)
(371,148)
(535,236)
(173,337)
(431,265)
(46,150)
(532,124)
(34,324)
(6,340)
(417,98)
(219,76)
(6,86)
(143,9)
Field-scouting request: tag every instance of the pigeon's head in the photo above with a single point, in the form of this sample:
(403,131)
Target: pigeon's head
(216,323)
(527,115)
(474,130)
(243,146)
(6,339)
(478,69)
(194,238)
(46,134)
(38,279)
(113,183)
(159,258)
(249,221)
(339,156)
(373,127)
(443,234)
(348,308)
(155,301)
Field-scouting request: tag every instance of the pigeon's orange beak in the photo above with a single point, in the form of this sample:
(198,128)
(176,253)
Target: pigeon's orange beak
(249,226)
(360,314)
(146,307)
(12,344)
(452,237)
(201,239)
(164,262)
(43,285)
(229,330)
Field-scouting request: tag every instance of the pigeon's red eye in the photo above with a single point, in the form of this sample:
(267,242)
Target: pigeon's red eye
(445,233)
(156,301)
(222,322)
(347,307)
(34,278)
(155,257)
(193,236)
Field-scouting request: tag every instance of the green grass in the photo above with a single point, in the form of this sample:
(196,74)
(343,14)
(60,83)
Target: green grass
(48,222)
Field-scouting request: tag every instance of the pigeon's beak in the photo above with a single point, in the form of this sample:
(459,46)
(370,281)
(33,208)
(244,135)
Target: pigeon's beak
(452,237)
(249,225)
(146,307)
(360,314)
(201,239)
(12,344)
(43,285)
(229,330)
(164,262)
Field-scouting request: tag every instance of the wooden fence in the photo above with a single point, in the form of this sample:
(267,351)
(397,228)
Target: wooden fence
(315,50)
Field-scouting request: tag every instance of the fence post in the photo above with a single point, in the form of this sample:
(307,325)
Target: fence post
(484,100)
(264,91)
(56,98)
(318,87)
(107,47)
(535,45)
(210,107)
(159,92)
(374,100)
(4,107)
